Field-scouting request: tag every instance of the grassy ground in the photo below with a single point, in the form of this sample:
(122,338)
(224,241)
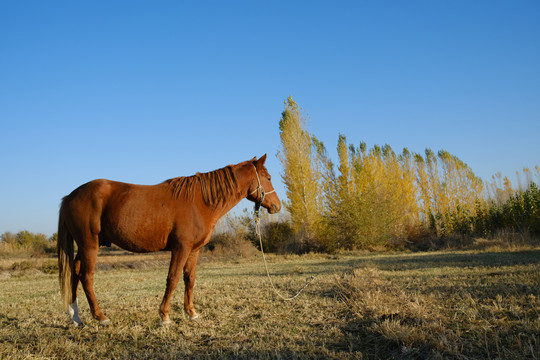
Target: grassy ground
(462,305)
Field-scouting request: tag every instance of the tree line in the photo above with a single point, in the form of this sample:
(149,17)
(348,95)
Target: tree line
(375,197)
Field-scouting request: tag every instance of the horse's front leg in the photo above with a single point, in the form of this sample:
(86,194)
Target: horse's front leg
(189,282)
(178,260)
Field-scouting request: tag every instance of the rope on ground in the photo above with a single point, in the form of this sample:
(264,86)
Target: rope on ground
(258,231)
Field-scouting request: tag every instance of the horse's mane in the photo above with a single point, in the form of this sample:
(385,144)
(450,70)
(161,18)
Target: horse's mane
(215,186)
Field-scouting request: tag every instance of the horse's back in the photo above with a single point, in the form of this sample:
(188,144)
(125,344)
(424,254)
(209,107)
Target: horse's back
(99,194)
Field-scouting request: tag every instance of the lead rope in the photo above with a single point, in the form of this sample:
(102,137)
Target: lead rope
(258,231)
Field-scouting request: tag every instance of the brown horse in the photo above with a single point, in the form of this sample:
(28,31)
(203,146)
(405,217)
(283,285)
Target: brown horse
(177,215)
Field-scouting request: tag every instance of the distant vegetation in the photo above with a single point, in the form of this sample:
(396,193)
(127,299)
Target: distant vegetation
(25,242)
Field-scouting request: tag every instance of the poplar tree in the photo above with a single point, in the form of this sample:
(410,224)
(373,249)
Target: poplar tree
(423,189)
(460,190)
(347,216)
(330,201)
(300,174)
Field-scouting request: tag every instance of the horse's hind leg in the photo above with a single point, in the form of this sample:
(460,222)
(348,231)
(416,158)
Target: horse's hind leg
(75,276)
(88,263)
(73,309)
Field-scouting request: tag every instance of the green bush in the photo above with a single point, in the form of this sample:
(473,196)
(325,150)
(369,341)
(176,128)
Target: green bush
(50,267)
(278,237)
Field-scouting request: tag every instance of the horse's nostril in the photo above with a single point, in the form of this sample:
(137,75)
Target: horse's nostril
(276,208)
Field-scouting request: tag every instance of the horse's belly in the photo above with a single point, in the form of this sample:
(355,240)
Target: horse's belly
(138,245)
(146,235)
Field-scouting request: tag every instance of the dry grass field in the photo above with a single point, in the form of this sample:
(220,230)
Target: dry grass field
(448,305)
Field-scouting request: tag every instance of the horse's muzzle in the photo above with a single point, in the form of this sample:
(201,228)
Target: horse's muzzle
(275,209)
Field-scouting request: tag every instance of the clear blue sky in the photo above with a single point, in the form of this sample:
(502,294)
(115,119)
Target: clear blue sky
(143,91)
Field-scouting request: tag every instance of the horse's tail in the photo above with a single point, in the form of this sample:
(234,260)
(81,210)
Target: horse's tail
(65,249)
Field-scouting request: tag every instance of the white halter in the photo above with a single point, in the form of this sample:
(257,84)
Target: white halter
(261,189)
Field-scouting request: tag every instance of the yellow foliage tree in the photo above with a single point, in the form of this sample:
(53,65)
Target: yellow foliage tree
(300,172)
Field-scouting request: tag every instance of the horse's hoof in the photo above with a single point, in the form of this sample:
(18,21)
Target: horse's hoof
(194,316)
(165,323)
(105,322)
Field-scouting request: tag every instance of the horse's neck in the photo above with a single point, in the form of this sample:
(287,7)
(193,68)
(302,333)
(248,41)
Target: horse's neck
(244,181)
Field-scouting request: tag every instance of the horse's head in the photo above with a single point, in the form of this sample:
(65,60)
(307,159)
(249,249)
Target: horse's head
(261,191)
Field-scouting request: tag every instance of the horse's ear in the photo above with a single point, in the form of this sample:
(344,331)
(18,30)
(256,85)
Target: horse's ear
(261,161)
(253,160)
